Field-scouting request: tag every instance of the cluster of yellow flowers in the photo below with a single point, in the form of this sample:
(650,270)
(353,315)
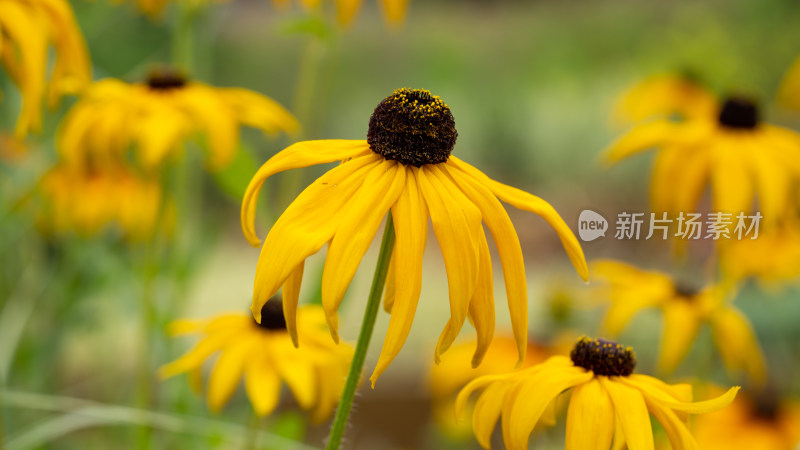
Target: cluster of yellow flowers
(117,141)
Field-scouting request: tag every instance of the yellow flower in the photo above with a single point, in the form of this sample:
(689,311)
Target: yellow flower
(404,166)
(27,29)
(665,95)
(759,421)
(394,11)
(737,155)
(607,399)
(156,116)
(685,310)
(454,371)
(772,258)
(264,355)
(86,201)
(789,91)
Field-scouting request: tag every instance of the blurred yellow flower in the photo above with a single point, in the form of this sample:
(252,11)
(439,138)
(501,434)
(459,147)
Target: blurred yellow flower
(789,91)
(759,421)
(155,8)
(264,355)
(394,11)
(685,309)
(27,29)
(454,371)
(86,201)
(771,259)
(740,157)
(156,116)
(665,95)
(404,166)
(608,401)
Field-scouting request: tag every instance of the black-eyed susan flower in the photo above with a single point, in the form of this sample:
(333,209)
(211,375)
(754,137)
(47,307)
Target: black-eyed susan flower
(668,95)
(685,310)
(754,421)
(28,29)
(404,166)
(740,157)
(264,355)
(605,396)
(85,201)
(455,370)
(155,117)
(394,11)
(789,91)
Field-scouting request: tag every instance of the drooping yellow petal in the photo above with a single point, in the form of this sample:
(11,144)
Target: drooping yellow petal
(306,225)
(394,11)
(527,400)
(508,248)
(214,118)
(256,110)
(291,297)
(529,202)
(590,418)
(772,181)
(391,286)
(263,385)
(227,372)
(456,223)
(689,182)
(731,183)
(299,375)
(681,325)
(410,215)
(631,412)
(346,11)
(677,432)
(301,154)
(737,343)
(481,307)
(487,411)
(360,219)
(478,383)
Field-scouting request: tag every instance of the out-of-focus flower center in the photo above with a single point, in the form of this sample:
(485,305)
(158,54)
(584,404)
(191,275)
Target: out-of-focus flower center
(414,127)
(165,79)
(765,406)
(603,357)
(272,315)
(686,290)
(738,113)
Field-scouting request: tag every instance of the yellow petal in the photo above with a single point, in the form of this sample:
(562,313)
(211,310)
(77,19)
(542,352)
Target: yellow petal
(737,343)
(194,358)
(227,372)
(508,248)
(410,217)
(263,386)
(487,412)
(360,219)
(481,306)
(689,182)
(389,289)
(299,374)
(256,110)
(668,401)
(773,182)
(456,223)
(731,183)
(185,326)
(640,138)
(526,402)
(307,224)
(291,297)
(631,412)
(681,325)
(301,154)
(346,11)
(590,418)
(478,383)
(394,11)
(677,432)
(528,202)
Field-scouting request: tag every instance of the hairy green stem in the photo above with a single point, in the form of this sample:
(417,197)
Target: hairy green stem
(364,336)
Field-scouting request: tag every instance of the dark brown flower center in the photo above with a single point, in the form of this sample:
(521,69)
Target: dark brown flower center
(738,113)
(165,80)
(603,357)
(686,290)
(272,315)
(414,127)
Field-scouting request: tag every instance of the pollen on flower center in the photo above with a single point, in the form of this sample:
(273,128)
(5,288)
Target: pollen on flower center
(738,113)
(414,127)
(165,79)
(603,357)
(272,315)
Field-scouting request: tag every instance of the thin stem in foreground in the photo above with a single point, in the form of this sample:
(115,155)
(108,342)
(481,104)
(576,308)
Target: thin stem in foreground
(364,336)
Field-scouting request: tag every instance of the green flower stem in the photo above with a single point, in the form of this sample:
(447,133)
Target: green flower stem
(364,336)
